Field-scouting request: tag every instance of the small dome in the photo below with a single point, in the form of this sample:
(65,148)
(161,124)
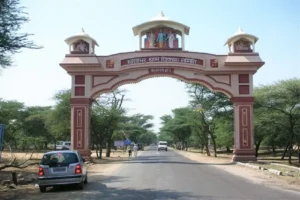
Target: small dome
(81,34)
(160,19)
(241,34)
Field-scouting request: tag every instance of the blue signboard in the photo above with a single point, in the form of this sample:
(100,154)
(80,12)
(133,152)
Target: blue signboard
(1,139)
(127,142)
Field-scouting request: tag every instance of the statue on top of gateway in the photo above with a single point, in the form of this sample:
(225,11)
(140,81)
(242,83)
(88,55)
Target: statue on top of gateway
(161,33)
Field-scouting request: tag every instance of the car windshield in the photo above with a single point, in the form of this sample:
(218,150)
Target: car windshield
(59,143)
(163,143)
(59,159)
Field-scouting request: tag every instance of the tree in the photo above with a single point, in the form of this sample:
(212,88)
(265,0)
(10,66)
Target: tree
(12,115)
(136,125)
(177,128)
(110,105)
(147,138)
(35,129)
(100,127)
(12,17)
(224,131)
(213,105)
(283,99)
(58,120)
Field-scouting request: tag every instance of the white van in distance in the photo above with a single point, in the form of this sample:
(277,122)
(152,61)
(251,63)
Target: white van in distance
(162,145)
(63,145)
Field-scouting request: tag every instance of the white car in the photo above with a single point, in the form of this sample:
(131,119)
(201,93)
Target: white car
(63,145)
(162,145)
(62,168)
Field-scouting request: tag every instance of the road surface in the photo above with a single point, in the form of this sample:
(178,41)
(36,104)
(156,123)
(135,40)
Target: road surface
(167,175)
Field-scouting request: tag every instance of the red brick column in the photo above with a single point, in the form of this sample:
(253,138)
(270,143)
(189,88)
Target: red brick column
(243,129)
(80,126)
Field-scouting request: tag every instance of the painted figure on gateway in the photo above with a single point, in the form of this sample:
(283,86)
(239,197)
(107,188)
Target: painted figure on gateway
(151,40)
(161,38)
(171,38)
(81,46)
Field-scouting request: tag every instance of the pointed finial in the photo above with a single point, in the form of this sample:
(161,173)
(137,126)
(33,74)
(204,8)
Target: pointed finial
(162,14)
(82,30)
(239,31)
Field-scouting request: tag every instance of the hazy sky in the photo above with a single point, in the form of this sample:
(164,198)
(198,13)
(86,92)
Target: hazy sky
(37,74)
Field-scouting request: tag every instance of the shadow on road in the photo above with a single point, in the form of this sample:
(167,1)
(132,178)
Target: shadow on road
(165,160)
(97,190)
(162,159)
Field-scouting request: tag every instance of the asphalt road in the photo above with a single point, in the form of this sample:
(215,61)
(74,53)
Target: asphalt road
(164,175)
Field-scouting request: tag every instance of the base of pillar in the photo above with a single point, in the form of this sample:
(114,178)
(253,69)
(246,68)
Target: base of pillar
(244,156)
(86,154)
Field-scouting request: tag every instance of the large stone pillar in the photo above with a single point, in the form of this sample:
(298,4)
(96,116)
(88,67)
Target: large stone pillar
(80,126)
(243,129)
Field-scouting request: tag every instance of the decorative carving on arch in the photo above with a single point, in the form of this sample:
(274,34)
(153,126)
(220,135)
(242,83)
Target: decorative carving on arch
(81,47)
(114,82)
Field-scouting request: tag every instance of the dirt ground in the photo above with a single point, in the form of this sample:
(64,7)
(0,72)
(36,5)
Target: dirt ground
(256,176)
(101,167)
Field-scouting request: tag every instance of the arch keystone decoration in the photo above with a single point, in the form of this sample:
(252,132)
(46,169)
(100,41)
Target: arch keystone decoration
(231,74)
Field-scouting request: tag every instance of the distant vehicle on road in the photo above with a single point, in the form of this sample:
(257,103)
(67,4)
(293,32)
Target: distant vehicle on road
(62,168)
(162,145)
(140,147)
(63,145)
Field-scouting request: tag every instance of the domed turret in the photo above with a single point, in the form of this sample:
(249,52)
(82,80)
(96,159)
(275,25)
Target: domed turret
(241,42)
(81,43)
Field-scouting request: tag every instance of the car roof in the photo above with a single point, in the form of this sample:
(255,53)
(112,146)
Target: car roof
(62,151)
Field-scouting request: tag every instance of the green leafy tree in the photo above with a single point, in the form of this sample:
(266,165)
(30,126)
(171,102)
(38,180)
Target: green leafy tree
(283,99)
(35,130)
(111,105)
(12,17)
(12,115)
(58,121)
(213,105)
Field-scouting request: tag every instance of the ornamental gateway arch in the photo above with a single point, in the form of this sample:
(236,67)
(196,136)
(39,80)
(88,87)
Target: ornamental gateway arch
(162,54)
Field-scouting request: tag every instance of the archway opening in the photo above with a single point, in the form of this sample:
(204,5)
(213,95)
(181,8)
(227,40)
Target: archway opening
(187,115)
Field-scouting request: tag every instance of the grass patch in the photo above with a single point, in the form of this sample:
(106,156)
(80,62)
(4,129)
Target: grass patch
(286,171)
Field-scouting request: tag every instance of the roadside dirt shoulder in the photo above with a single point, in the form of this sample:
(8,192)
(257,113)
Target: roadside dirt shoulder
(255,176)
(98,170)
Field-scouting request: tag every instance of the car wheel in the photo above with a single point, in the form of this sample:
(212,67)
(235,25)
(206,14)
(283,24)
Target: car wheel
(86,180)
(42,189)
(81,185)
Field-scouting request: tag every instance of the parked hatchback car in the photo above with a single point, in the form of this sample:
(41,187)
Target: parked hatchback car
(62,168)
